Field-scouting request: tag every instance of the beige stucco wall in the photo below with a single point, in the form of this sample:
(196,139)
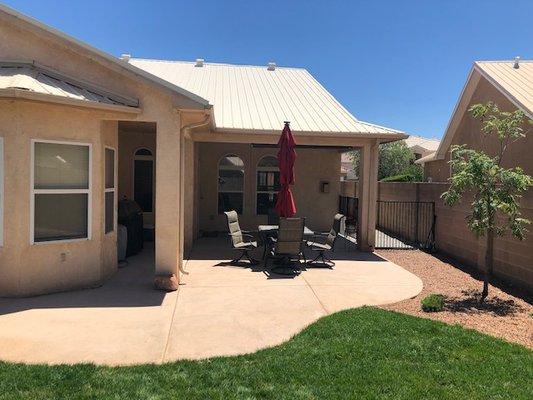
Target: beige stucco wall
(23,42)
(32,269)
(469,133)
(312,167)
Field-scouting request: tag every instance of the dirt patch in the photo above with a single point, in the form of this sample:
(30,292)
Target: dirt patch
(507,313)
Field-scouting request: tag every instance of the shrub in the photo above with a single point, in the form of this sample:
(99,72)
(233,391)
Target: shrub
(433,303)
(399,178)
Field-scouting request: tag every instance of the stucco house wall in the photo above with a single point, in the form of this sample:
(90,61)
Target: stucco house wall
(27,270)
(469,133)
(312,167)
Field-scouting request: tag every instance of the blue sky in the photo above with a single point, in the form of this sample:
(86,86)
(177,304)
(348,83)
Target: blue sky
(400,64)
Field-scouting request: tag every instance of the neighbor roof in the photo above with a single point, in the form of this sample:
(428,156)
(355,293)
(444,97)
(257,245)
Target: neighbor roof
(516,83)
(247,97)
(422,142)
(28,77)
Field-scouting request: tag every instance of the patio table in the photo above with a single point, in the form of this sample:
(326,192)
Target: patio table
(270,230)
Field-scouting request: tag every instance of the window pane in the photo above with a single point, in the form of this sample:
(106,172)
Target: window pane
(60,216)
(143,184)
(61,166)
(230,180)
(109,212)
(265,203)
(143,152)
(230,201)
(231,162)
(268,161)
(268,181)
(109,168)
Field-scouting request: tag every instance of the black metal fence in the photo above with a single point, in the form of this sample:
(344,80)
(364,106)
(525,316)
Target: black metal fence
(405,224)
(399,224)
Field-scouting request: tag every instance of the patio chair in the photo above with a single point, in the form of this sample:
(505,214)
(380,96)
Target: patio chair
(288,245)
(329,240)
(238,236)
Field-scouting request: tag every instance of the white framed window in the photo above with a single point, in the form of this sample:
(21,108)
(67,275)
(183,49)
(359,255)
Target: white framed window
(60,202)
(110,189)
(267,185)
(1,191)
(230,184)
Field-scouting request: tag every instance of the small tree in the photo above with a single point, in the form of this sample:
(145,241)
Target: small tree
(496,190)
(394,159)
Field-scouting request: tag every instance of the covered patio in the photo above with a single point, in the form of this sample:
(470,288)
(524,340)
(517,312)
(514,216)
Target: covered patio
(218,309)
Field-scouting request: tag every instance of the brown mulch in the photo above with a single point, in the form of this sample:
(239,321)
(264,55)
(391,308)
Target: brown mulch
(506,313)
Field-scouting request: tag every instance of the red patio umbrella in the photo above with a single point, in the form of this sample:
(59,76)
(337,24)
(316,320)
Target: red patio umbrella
(285,206)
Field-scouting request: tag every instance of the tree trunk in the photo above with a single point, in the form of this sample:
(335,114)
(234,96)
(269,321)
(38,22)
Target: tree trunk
(489,264)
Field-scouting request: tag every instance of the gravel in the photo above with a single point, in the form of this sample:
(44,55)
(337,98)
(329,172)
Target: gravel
(506,313)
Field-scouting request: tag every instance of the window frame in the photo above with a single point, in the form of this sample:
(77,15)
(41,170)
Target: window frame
(109,190)
(267,169)
(2,193)
(243,191)
(34,192)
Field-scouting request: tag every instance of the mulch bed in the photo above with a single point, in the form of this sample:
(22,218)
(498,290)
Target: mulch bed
(507,312)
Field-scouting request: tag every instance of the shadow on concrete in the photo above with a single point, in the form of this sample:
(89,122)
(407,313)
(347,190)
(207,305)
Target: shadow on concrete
(131,286)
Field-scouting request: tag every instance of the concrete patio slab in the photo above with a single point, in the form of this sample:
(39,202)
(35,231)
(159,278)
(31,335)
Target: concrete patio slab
(218,310)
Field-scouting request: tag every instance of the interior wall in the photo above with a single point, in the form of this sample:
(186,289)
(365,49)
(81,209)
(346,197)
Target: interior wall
(312,167)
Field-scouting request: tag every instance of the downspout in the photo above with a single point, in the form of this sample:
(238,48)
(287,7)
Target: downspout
(186,133)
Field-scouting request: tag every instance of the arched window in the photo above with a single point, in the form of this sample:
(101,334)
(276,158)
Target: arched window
(230,184)
(267,185)
(143,179)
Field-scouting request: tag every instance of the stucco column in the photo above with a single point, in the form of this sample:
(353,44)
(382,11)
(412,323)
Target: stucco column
(167,210)
(368,191)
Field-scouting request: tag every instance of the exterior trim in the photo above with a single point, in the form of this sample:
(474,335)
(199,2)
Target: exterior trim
(2,167)
(111,190)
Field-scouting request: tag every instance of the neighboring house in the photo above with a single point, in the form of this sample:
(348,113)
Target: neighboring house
(420,146)
(509,84)
(80,129)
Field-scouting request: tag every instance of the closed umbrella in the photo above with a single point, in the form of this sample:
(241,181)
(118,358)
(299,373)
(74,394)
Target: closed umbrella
(285,206)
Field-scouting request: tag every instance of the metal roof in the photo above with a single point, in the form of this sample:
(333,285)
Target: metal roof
(422,142)
(246,97)
(29,77)
(71,41)
(517,83)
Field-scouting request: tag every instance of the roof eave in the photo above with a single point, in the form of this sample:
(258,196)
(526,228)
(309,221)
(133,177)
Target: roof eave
(105,56)
(21,94)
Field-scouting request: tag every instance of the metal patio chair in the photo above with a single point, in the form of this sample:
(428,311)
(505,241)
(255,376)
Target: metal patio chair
(288,245)
(238,236)
(325,242)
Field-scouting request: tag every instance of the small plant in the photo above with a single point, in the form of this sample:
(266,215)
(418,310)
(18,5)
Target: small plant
(433,303)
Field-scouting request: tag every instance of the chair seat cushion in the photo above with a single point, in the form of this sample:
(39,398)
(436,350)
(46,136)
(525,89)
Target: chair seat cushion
(246,245)
(318,246)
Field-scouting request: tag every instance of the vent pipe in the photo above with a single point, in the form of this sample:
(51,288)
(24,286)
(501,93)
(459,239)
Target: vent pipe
(271,66)
(516,62)
(125,57)
(199,62)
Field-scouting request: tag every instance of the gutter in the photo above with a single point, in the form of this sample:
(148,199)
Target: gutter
(186,133)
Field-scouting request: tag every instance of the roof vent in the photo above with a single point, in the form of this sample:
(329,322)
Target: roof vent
(516,62)
(271,66)
(199,62)
(125,57)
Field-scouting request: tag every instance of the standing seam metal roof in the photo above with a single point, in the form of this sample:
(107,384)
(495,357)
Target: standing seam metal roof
(254,98)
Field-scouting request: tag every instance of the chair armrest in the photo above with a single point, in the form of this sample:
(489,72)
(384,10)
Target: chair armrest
(242,234)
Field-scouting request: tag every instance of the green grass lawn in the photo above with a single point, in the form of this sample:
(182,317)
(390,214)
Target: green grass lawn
(364,353)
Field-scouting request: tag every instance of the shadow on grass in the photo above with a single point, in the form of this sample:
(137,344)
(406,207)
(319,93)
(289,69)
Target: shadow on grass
(470,304)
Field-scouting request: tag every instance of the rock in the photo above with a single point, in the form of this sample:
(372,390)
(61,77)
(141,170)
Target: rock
(168,283)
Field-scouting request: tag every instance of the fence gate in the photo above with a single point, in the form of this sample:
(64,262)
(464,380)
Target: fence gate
(405,225)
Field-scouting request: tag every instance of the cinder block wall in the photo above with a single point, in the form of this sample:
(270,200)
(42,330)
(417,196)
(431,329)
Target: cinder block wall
(513,259)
